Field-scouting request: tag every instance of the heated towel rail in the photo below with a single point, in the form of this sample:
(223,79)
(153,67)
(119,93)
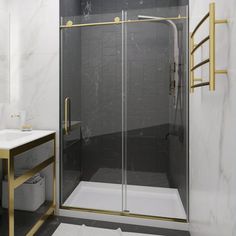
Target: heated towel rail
(212,51)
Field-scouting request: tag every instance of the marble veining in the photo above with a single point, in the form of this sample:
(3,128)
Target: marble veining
(4,53)
(213,133)
(34,73)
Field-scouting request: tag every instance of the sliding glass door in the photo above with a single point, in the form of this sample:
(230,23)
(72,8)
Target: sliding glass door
(155,113)
(91,114)
(124,110)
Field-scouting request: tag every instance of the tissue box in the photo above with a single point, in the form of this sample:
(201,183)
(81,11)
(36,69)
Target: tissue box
(28,197)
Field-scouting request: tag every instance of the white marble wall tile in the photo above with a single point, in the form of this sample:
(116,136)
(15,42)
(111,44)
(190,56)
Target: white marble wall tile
(35,88)
(3,65)
(213,133)
(4,54)
(35,26)
(4,5)
(34,70)
(34,63)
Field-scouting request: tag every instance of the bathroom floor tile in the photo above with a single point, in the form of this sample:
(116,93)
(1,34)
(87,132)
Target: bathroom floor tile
(53,222)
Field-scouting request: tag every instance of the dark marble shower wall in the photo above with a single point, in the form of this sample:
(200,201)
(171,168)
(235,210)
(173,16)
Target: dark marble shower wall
(178,139)
(156,146)
(80,7)
(148,55)
(147,160)
(183,2)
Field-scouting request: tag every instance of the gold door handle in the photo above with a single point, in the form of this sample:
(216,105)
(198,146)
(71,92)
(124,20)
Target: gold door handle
(67,116)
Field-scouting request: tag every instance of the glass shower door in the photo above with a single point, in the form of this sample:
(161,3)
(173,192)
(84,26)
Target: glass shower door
(91,113)
(71,139)
(155,113)
(124,112)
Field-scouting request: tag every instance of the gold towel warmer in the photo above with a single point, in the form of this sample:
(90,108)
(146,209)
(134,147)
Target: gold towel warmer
(211,59)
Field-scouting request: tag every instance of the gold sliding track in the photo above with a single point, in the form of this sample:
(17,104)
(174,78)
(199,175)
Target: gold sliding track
(126,214)
(117,21)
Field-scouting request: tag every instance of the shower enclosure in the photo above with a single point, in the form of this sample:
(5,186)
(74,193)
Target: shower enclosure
(124,108)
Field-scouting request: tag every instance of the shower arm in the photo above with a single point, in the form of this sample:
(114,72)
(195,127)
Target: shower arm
(176,46)
(162,19)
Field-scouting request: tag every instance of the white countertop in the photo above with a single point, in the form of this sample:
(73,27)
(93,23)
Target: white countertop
(12,138)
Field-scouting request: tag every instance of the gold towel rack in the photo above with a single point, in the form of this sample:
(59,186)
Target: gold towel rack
(212,49)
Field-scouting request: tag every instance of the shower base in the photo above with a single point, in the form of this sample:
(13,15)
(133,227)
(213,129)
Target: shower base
(143,200)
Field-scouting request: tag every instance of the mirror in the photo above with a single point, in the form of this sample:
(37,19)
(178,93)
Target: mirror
(4,56)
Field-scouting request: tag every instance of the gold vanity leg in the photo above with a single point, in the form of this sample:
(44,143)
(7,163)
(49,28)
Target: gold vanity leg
(10,170)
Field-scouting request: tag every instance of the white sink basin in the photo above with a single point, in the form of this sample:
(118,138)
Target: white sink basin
(7,137)
(12,138)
